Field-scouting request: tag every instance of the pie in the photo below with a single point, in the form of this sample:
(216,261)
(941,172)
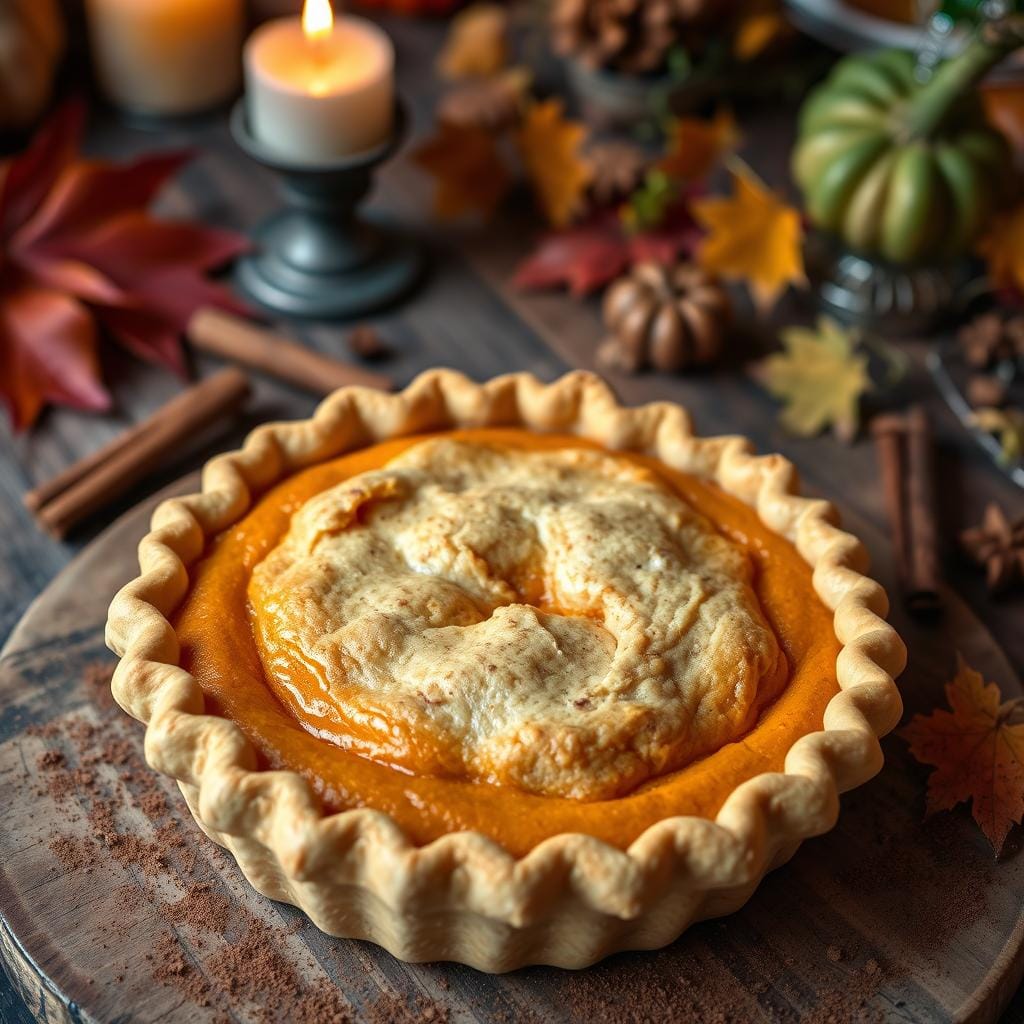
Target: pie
(505,673)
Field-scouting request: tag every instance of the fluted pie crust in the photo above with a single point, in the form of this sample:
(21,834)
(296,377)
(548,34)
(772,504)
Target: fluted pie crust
(572,898)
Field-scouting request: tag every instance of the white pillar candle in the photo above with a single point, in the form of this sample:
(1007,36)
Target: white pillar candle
(319,88)
(167,57)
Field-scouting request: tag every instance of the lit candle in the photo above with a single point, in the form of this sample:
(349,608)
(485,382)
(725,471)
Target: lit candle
(318,88)
(167,57)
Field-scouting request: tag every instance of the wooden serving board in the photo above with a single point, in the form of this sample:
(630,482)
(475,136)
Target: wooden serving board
(887,917)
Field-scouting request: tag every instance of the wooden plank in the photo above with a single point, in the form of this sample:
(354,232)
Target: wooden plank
(843,889)
(866,892)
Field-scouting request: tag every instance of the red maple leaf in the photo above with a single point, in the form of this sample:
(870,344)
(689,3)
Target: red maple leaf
(81,252)
(587,256)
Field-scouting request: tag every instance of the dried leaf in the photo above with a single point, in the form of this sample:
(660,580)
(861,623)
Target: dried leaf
(470,174)
(586,257)
(820,376)
(551,148)
(754,237)
(477,43)
(977,750)
(48,353)
(758,29)
(1008,424)
(997,543)
(696,146)
(80,247)
(1003,249)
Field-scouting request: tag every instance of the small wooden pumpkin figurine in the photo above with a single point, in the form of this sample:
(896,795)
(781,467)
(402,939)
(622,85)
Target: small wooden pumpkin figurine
(671,318)
(31,44)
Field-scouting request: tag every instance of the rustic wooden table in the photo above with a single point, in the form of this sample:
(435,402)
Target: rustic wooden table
(467,316)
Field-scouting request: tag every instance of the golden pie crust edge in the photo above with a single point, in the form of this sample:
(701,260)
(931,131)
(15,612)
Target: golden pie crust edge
(573,899)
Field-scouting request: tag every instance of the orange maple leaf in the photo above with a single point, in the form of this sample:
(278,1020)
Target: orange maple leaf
(550,146)
(696,146)
(759,28)
(753,236)
(470,174)
(978,753)
(477,43)
(1003,249)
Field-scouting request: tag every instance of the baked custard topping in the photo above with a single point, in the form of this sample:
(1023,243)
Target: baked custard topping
(558,621)
(285,711)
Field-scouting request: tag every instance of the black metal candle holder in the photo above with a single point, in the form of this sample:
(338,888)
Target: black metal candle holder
(320,257)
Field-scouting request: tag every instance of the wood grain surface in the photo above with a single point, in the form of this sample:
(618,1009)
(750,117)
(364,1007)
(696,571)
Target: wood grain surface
(922,902)
(884,918)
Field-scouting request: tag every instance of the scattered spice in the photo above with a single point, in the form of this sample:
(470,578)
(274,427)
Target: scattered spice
(487,104)
(618,170)
(997,543)
(219,956)
(984,391)
(202,908)
(365,341)
(396,1009)
(992,338)
(73,853)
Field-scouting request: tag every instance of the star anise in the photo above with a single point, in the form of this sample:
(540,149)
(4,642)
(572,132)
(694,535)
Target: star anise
(618,170)
(998,545)
(986,392)
(365,342)
(992,338)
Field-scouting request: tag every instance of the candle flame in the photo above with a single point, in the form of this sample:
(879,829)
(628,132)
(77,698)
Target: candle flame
(317,19)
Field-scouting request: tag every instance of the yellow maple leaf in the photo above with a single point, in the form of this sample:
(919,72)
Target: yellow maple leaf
(1003,249)
(758,28)
(820,376)
(753,236)
(477,43)
(695,146)
(550,146)
(977,750)
(1008,424)
(470,174)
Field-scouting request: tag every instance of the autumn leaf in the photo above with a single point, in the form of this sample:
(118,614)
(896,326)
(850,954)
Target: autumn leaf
(48,353)
(1003,249)
(753,237)
(820,376)
(696,146)
(977,750)
(477,43)
(1008,425)
(470,174)
(587,256)
(760,26)
(550,146)
(81,250)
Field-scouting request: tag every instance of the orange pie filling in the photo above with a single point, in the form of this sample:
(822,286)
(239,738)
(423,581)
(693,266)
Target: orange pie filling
(514,633)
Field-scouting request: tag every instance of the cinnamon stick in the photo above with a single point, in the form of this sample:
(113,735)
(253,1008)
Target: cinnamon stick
(109,473)
(888,434)
(904,446)
(924,575)
(241,341)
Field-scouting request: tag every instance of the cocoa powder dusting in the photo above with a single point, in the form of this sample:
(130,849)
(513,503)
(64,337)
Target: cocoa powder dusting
(202,907)
(74,853)
(217,955)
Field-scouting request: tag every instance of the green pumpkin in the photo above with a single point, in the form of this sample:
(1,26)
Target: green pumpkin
(905,171)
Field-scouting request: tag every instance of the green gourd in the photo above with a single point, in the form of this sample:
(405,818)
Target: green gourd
(908,172)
